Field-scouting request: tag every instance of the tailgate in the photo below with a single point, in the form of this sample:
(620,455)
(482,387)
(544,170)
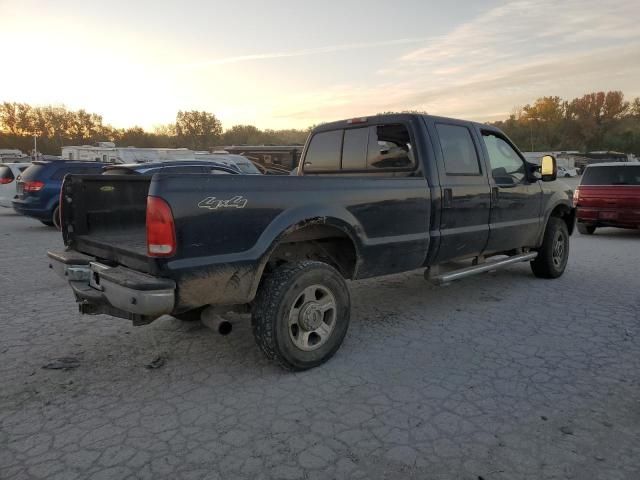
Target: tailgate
(610,197)
(105,216)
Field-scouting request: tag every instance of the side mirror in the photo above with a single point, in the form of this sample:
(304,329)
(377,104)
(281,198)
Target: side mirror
(549,168)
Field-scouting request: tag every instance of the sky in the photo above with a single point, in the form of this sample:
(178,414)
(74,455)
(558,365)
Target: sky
(295,63)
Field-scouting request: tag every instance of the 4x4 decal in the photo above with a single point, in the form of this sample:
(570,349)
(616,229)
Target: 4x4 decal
(213,203)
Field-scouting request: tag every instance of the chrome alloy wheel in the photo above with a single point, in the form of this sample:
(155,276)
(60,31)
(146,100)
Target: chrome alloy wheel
(312,318)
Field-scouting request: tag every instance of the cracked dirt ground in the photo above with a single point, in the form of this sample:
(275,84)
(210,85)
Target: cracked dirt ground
(501,376)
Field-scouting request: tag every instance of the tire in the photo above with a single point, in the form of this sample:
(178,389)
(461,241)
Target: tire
(47,223)
(554,253)
(291,302)
(586,229)
(190,316)
(55,218)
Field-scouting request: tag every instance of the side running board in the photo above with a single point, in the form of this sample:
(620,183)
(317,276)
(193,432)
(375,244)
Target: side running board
(448,277)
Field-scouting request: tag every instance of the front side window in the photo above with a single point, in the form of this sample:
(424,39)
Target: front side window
(323,153)
(506,165)
(458,151)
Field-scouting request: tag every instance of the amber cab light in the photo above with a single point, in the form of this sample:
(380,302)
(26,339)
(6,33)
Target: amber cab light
(161,233)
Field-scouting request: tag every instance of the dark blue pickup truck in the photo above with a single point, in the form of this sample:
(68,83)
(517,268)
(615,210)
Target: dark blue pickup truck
(373,196)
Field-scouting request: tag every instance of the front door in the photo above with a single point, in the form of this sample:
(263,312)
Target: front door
(465,193)
(515,201)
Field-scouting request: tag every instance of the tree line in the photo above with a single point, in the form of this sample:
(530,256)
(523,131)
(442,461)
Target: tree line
(594,121)
(56,126)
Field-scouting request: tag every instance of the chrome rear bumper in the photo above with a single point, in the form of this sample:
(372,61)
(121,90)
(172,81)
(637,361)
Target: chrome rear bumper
(117,291)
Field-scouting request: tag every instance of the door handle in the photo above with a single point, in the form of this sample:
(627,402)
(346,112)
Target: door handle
(495,194)
(447,200)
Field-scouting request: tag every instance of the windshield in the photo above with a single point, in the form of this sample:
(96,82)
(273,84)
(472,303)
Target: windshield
(248,167)
(612,175)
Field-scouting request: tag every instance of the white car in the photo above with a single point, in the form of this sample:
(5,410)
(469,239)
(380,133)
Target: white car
(567,172)
(9,172)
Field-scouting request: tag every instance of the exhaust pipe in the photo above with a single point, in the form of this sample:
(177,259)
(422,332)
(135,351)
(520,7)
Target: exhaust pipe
(224,327)
(211,318)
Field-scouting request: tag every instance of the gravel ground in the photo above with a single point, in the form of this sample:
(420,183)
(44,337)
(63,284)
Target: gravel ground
(501,376)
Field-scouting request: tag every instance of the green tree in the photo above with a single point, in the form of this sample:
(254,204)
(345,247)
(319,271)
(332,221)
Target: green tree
(198,130)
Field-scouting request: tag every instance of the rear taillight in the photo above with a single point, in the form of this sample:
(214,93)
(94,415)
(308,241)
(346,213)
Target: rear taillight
(5,181)
(35,186)
(161,233)
(576,196)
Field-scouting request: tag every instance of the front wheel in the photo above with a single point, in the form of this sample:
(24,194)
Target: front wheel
(301,314)
(554,253)
(586,229)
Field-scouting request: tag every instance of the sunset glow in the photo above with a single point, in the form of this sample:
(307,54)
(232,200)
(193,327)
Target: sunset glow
(293,64)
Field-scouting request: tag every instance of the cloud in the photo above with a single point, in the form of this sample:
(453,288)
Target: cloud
(507,56)
(302,53)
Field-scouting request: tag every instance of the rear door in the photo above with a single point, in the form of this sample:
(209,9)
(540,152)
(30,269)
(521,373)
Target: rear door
(395,232)
(465,191)
(516,205)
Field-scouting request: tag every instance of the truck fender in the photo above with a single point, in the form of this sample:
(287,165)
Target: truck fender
(298,219)
(558,204)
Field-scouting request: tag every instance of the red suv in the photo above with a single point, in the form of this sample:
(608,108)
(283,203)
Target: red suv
(608,196)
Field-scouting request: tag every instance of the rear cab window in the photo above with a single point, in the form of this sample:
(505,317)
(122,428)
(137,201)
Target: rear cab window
(361,150)
(611,175)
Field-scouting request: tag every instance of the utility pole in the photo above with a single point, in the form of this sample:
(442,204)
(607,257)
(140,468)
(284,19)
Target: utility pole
(531,134)
(35,147)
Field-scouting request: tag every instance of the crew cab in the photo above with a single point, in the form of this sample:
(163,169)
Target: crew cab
(372,196)
(608,196)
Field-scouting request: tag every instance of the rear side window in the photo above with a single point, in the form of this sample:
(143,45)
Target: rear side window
(324,151)
(458,151)
(612,175)
(34,172)
(6,175)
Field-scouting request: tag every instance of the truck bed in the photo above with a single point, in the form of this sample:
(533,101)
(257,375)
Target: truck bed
(106,218)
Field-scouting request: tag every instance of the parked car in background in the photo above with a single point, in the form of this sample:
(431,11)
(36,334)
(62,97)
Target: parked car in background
(9,173)
(238,162)
(38,189)
(180,166)
(567,172)
(608,196)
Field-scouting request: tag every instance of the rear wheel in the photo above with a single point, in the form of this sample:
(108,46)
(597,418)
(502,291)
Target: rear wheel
(47,223)
(586,229)
(55,218)
(301,314)
(554,253)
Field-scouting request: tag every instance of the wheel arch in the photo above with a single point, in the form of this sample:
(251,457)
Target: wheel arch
(564,211)
(327,239)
